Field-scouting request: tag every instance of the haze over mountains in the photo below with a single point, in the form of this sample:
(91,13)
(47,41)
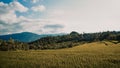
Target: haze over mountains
(25,36)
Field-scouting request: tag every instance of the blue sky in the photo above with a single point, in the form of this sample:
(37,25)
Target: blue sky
(59,16)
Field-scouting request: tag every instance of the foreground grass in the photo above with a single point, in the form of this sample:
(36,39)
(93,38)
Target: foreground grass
(89,55)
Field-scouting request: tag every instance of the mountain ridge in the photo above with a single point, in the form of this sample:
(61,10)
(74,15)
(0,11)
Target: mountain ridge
(25,36)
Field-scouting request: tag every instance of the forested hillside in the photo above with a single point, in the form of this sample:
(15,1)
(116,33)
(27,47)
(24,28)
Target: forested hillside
(74,38)
(58,42)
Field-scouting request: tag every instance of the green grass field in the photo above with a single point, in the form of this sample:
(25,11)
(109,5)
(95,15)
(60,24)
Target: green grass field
(89,55)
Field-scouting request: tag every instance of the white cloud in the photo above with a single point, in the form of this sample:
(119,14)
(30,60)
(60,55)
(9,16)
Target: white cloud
(39,8)
(12,6)
(32,25)
(40,25)
(81,16)
(35,1)
(18,7)
(7,11)
(56,13)
(89,15)
(10,23)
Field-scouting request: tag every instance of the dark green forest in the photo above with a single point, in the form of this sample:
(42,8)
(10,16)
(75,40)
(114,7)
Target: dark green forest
(59,42)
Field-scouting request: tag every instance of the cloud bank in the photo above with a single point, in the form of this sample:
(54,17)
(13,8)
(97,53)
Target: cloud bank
(54,16)
(11,23)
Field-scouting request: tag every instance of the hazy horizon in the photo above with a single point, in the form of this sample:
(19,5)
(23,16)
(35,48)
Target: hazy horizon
(59,16)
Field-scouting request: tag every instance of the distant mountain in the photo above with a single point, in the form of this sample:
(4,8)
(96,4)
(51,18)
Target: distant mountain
(25,36)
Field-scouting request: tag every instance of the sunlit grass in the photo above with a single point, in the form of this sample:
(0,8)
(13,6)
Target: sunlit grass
(89,55)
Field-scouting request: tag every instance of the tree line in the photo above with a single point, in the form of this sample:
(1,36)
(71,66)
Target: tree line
(58,42)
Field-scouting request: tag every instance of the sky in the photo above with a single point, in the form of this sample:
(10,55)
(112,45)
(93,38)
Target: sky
(59,16)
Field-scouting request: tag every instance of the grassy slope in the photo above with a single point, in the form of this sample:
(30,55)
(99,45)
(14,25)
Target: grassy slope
(89,55)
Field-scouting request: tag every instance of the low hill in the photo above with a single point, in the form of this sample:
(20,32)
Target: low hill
(73,39)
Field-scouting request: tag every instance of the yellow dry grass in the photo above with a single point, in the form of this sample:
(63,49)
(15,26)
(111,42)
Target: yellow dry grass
(90,55)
